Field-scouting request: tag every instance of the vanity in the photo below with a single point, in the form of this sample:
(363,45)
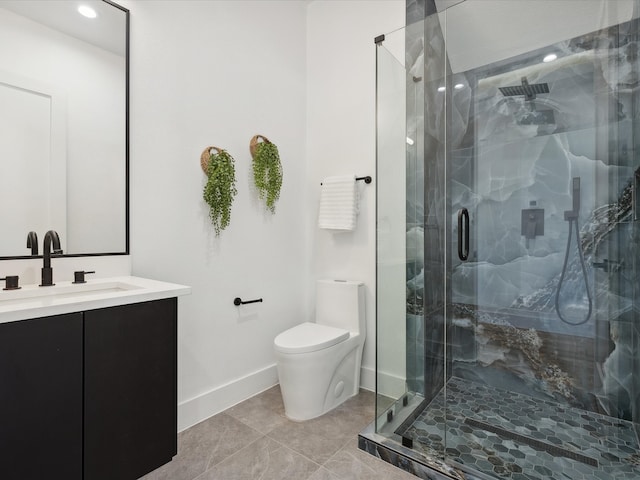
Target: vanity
(88,377)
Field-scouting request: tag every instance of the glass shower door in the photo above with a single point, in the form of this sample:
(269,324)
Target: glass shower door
(542,376)
(508,327)
(391,378)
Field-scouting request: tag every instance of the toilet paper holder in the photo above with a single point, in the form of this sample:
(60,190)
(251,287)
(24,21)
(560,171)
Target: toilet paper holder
(238,301)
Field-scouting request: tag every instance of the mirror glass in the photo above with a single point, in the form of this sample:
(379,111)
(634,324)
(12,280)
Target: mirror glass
(63,126)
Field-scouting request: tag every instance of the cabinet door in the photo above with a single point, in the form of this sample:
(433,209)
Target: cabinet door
(41,398)
(130,415)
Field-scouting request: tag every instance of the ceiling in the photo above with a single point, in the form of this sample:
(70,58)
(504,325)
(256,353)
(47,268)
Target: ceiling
(107,30)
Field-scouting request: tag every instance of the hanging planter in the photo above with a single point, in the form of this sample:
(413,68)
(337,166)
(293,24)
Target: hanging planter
(267,170)
(220,189)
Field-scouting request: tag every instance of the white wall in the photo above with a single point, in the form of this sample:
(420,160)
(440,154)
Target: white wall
(217,73)
(341,137)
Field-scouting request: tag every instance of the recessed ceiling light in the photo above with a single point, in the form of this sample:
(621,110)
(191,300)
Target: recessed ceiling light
(458,86)
(442,89)
(409,141)
(550,58)
(87,11)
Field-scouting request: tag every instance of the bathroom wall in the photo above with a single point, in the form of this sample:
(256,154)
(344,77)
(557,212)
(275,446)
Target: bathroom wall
(341,138)
(217,73)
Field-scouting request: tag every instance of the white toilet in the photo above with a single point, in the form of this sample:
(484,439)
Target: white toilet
(319,363)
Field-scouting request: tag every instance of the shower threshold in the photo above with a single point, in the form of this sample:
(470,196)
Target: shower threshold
(490,433)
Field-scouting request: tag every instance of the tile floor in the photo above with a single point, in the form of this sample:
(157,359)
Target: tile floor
(527,438)
(254,440)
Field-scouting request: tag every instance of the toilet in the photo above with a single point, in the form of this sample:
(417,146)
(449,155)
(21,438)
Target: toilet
(319,363)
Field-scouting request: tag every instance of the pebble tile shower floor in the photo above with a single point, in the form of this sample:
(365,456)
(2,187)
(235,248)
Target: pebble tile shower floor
(254,440)
(513,436)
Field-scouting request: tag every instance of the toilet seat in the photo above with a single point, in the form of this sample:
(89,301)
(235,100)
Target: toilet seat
(309,337)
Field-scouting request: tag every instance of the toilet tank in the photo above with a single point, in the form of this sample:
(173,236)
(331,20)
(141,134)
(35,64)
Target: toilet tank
(340,303)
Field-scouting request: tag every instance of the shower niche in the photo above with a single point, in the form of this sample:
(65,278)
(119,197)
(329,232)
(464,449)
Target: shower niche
(509,336)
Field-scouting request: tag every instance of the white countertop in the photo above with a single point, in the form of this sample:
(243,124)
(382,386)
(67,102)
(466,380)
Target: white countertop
(33,301)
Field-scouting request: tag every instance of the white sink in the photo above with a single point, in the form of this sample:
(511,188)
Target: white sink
(33,301)
(35,293)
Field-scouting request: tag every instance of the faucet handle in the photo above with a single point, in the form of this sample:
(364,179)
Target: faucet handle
(32,242)
(79,276)
(12,282)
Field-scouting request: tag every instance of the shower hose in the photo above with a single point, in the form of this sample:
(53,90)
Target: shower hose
(564,271)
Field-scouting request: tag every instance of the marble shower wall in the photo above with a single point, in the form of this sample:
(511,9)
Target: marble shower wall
(506,155)
(426,217)
(414,53)
(526,153)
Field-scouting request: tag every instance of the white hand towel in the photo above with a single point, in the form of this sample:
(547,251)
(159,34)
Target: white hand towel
(338,203)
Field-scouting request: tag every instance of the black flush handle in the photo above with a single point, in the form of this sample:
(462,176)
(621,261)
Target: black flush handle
(463,226)
(238,301)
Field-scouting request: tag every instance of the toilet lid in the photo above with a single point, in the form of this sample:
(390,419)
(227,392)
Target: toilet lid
(309,337)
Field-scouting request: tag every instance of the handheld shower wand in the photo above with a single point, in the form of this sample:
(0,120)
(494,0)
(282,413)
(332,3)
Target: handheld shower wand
(571,216)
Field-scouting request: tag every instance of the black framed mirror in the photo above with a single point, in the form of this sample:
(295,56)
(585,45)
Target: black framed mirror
(64,126)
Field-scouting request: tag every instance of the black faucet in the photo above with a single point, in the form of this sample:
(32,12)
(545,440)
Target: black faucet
(32,242)
(47,271)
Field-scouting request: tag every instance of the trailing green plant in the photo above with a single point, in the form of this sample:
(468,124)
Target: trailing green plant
(220,189)
(267,173)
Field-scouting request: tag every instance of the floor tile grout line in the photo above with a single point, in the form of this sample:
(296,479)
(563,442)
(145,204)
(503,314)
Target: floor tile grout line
(267,434)
(291,449)
(271,406)
(244,422)
(324,465)
(342,448)
(210,456)
(209,466)
(297,453)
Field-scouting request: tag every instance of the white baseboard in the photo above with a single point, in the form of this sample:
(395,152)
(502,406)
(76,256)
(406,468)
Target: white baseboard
(210,403)
(217,400)
(388,384)
(368,378)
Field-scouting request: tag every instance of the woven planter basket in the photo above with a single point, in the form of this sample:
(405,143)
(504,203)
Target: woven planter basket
(254,143)
(206,155)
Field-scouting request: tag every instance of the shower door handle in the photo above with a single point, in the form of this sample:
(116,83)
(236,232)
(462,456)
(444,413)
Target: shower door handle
(463,224)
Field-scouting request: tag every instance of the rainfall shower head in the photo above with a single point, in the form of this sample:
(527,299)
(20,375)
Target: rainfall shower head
(530,115)
(529,91)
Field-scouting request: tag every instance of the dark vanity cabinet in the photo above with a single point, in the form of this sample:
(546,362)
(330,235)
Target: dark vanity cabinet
(130,396)
(41,398)
(89,395)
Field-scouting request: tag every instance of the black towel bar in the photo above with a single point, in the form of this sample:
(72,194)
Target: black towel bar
(366,179)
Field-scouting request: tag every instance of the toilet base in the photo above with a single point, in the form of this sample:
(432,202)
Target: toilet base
(316,382)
